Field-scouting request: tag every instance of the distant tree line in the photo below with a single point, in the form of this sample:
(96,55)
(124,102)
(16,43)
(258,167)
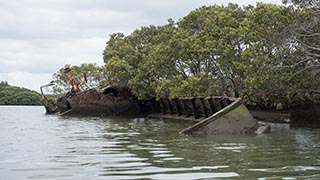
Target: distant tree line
(266,54)
(12,95)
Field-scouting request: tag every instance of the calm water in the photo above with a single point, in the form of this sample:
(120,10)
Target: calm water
(37,146)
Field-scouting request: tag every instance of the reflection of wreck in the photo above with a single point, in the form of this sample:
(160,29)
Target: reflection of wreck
(211,115)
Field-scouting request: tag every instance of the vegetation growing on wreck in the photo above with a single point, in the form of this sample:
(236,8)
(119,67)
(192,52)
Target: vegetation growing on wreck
(267,54)
(89,75)
(12,95)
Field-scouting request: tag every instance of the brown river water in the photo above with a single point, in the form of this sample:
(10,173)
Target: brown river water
(38,146)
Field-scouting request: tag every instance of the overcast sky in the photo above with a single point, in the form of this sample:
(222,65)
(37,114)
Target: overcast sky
(38,37)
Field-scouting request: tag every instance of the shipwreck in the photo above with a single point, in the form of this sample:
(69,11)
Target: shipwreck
(105,100)
(210,115)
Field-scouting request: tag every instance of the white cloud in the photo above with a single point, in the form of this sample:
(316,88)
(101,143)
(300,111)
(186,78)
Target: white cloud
(26,79)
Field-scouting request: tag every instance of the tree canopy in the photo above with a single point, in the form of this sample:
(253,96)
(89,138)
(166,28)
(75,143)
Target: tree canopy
(265,54)
(255,52)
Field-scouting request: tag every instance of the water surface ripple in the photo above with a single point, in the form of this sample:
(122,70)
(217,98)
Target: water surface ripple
(38,146)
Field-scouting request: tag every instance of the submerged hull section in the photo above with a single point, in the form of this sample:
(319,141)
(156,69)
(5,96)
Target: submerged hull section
(234,119)
(227,115)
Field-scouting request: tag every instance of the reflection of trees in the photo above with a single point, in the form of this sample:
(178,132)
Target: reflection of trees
(308,143)
(151,147)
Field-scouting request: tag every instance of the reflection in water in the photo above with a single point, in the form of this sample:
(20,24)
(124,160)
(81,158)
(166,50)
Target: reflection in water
(37,146)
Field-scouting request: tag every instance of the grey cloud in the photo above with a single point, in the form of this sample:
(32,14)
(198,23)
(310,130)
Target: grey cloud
(43,56)
(60,19)
(60,26)
(39,36)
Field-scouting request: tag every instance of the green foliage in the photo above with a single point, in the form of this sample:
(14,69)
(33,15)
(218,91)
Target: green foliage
(265,54)
(140,59)
(86,75)
(203,47)
(185,87)
(12,95)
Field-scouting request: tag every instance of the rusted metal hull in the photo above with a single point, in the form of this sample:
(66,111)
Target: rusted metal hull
(105,106)
(94,103)
(50,106)
(212,115)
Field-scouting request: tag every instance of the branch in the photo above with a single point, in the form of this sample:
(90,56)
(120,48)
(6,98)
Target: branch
(313,54)
(309,35)
(304,69)
(308,46)
(296,64)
